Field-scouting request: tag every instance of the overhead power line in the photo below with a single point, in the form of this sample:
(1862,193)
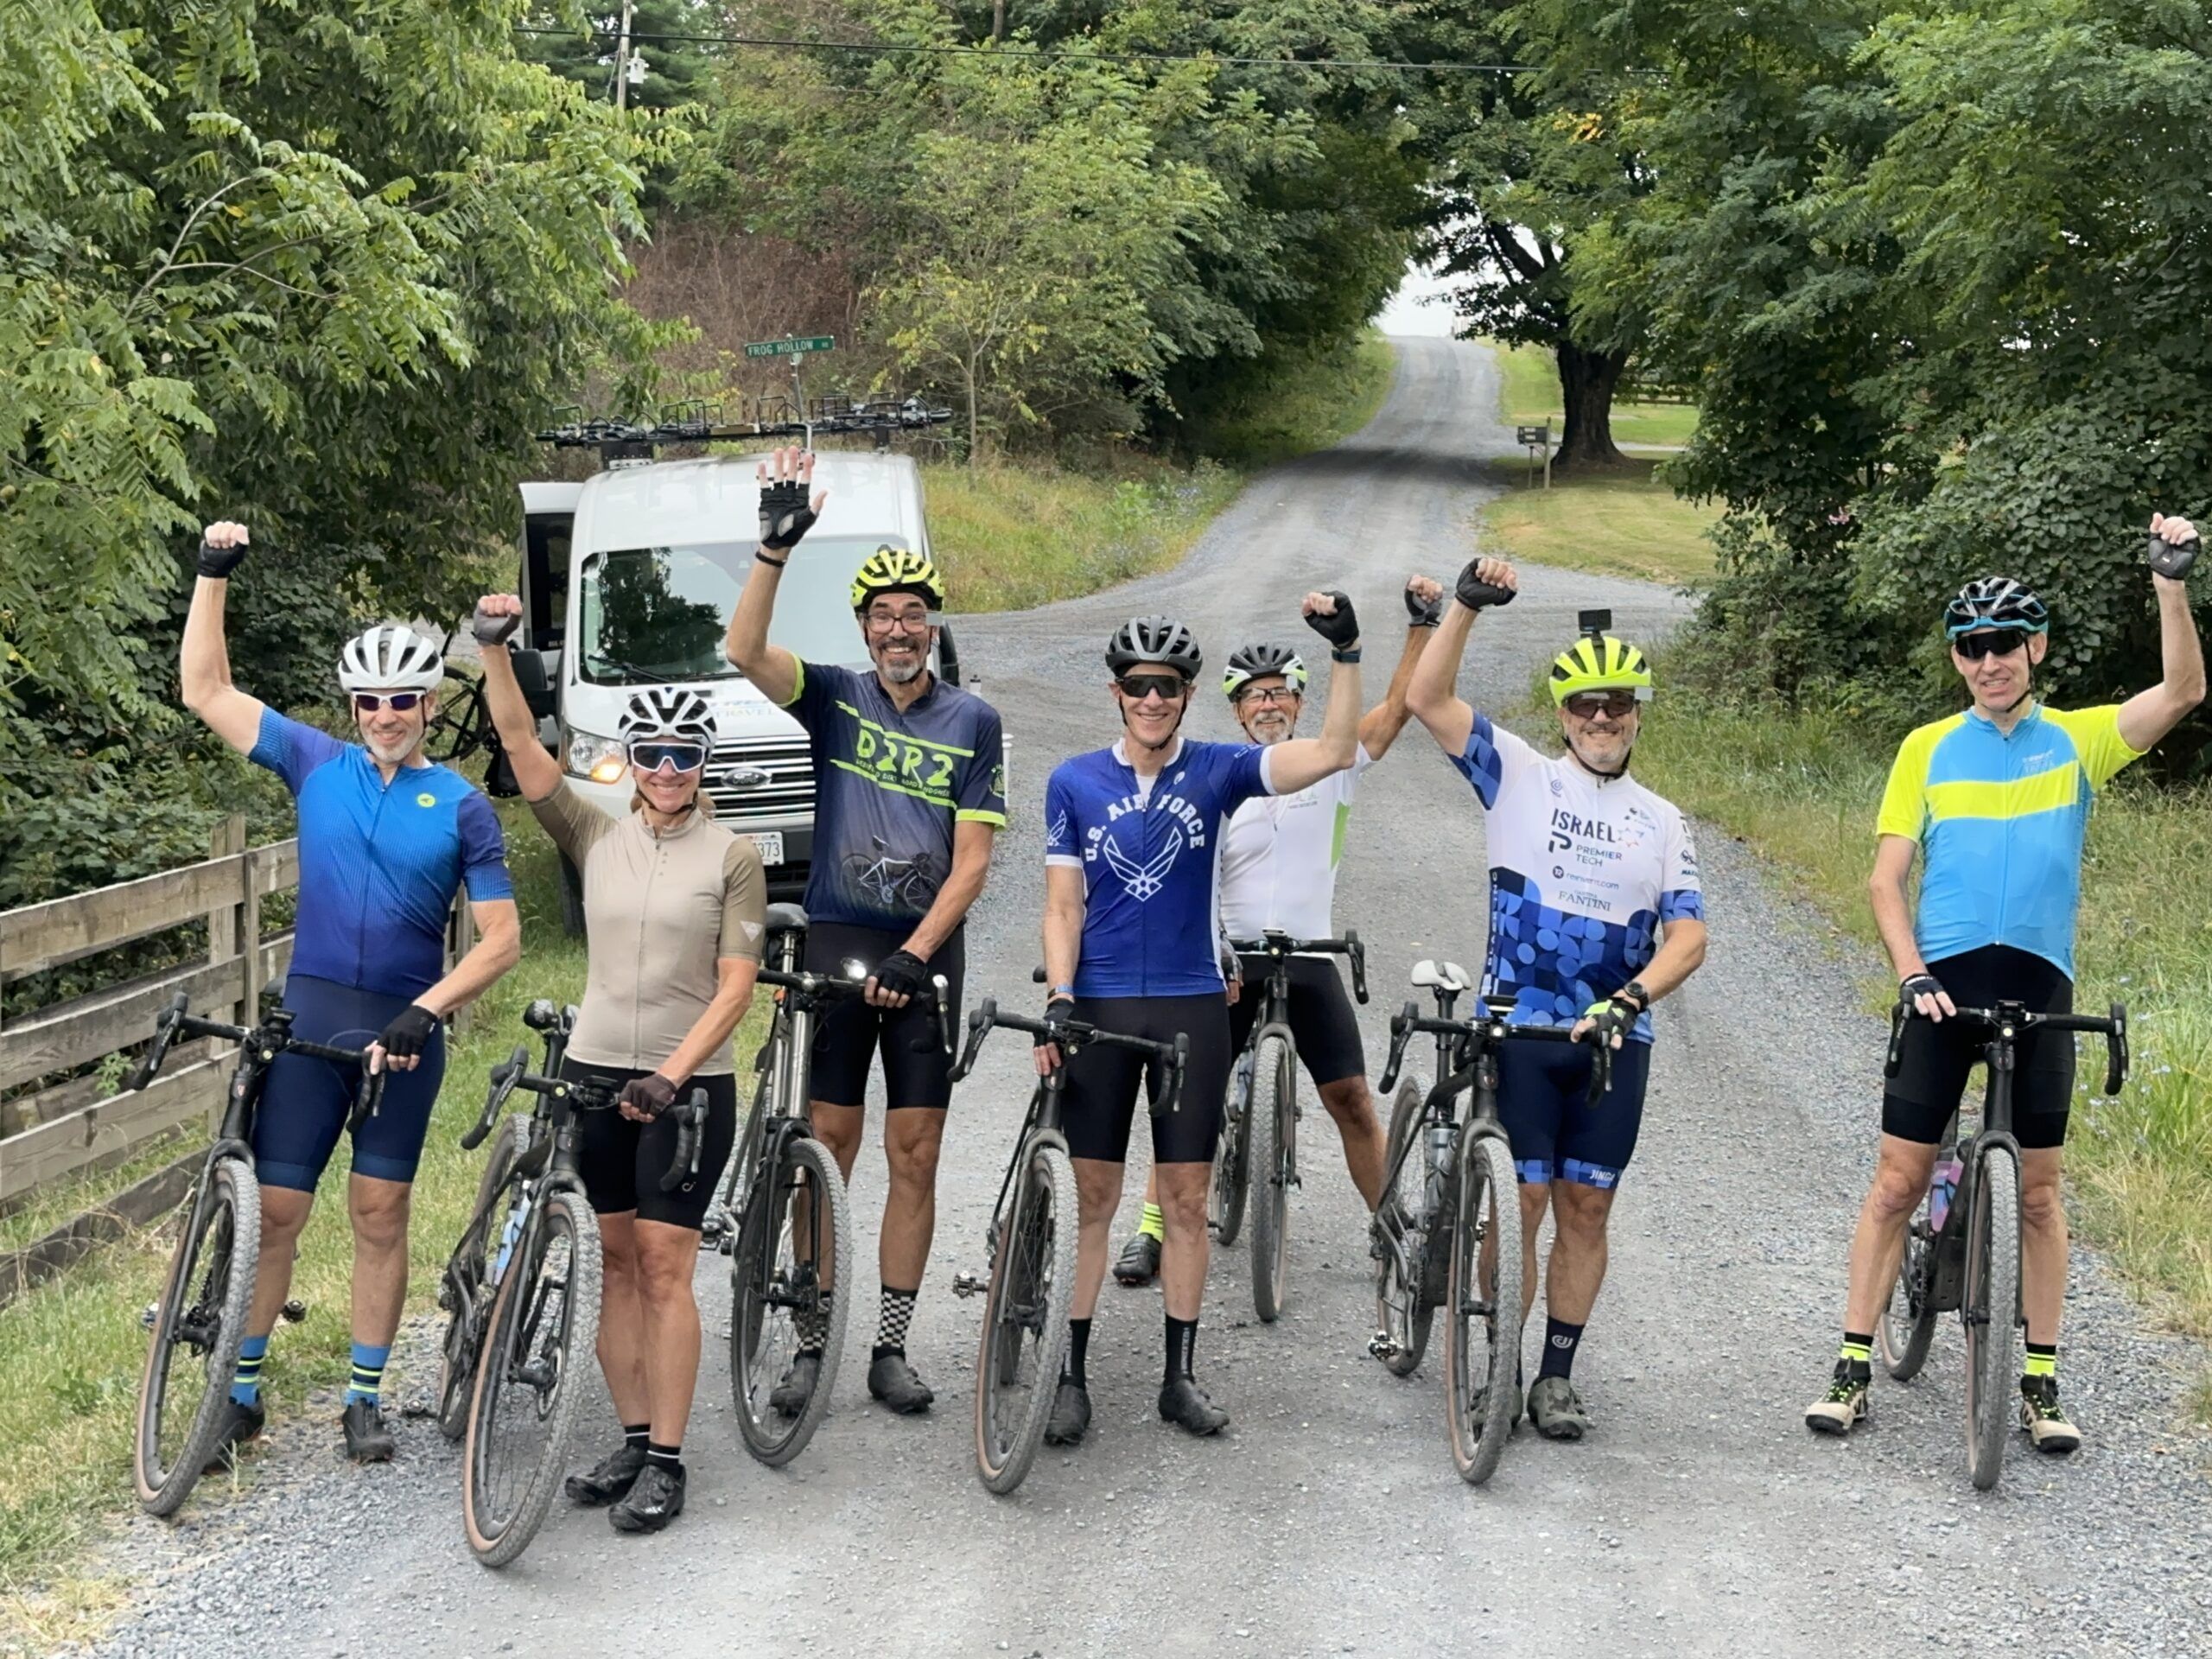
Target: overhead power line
(891,48)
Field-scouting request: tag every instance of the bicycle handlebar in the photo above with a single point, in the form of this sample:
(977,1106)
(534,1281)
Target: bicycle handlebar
(513,1073)
(2006,1020)
(816,986)
(1493,1028)
(1071,1036)
(177,1020)
(1281,944)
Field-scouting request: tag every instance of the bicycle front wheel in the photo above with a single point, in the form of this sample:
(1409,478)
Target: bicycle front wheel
(793,1259)
(544,1325)
(193,1352)
(1402,1315)
(1482,1337)
(462,1292)
(1272,1124)
(1026,1319)
(1992,1311)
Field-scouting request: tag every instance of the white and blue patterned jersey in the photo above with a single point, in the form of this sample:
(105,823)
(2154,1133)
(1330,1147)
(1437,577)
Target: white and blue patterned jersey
(1149,849)
(1583,872)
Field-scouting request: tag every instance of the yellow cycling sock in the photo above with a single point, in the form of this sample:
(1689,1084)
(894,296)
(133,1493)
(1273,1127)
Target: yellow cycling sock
(2042,1360)
(1152,1226)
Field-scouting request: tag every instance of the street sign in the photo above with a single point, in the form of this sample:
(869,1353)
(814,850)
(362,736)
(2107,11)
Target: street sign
(1530,435)
(788,346)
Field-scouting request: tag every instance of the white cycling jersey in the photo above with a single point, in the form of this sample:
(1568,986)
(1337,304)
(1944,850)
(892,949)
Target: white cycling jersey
(1278,859)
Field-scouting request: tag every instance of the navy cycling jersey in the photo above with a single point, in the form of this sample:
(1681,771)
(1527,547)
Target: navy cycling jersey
(379,863)
(889,785)
(1150,853)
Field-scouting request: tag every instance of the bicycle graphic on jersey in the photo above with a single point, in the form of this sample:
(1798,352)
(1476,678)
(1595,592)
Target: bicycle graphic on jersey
(900,885)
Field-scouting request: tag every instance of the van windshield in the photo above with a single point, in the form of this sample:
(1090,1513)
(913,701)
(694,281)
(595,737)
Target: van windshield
(655,613)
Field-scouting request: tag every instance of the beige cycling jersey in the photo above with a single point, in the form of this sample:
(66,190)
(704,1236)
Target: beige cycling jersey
(660,909)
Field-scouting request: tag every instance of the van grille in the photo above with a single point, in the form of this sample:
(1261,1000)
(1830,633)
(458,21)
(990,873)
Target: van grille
(778,782)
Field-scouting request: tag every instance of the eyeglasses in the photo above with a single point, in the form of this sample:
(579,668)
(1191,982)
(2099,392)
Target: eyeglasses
(400,703)
(1588,705)
(908,621)
(1137,687)
(680,757)
(2001,642)
(1270,694)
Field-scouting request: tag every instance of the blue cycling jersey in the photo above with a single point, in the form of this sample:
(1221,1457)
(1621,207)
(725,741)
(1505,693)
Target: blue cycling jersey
(379,863)
(1149,849)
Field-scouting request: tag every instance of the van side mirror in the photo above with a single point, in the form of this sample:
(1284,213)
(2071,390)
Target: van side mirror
(535,676)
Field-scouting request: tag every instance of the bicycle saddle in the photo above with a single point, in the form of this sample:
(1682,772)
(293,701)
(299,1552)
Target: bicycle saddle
(1451,976)
(786,919)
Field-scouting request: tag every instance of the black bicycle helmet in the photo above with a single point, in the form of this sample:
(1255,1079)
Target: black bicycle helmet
(1155,639)
(1995,602)
(1258,660)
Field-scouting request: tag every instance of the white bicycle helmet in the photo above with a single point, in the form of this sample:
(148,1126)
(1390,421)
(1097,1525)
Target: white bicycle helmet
(668,711)
(389,658)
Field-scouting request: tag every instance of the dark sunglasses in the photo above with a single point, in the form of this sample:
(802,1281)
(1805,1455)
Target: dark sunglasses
(2003,642)
(1588,705)
(652,757)
(400,703)
(1137,687)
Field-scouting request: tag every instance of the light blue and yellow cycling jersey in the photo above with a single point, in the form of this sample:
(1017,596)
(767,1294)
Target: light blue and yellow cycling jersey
(2000,819)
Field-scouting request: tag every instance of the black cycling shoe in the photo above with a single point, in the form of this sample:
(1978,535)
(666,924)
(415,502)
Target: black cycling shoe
(1139,1261)
(611,1476)
(892,1380)
(790,1396)
(1070,1416)
(1185,1404)
(367,1441)
(656,1500)
(242,1424)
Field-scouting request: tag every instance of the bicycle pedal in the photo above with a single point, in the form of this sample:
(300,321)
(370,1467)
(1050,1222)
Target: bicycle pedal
(295,1311)
(150,1316)
(967,1284)
(1379,1346)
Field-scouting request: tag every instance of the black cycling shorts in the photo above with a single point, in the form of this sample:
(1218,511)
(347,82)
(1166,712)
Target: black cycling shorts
(849,1032)
(1322,1024)
(1101,1103)
(622,1160)
(1559,1134)
(1936,1056)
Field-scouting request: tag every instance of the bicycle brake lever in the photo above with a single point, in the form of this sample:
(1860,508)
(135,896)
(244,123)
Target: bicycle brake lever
(165,1025)
(1358,954)
(979,1026)
(366,1102)
(691,1132)
(1896,1057)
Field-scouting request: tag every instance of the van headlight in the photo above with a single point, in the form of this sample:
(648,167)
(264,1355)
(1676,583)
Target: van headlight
(599,759)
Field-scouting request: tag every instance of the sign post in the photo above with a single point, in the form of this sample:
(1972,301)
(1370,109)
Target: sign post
(1537,438)
(796,348)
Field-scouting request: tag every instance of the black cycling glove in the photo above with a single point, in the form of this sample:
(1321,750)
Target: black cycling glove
(1339,627)
(2167,558)
(651,1093)
(1424,613)
(1612,1019)
(1474,593)
(1911,988)
(902,974)
(492,630)
(220,562)
(785,515)
(409,1034)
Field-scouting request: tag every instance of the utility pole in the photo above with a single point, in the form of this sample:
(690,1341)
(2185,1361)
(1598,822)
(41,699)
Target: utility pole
(622,62)
(998,21)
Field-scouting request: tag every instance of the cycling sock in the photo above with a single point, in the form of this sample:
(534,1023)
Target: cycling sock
(368,1372)
(636,1436)
(670,1458)
(1560,1340)
(1078,1346)
(1153,1226)
(245,1382)
(813,1329)
(1182,1347)
(1858,1352)
(890,1328)
(2043,1361)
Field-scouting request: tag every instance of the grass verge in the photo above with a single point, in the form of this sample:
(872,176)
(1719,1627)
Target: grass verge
(1620,522)
(1530,391)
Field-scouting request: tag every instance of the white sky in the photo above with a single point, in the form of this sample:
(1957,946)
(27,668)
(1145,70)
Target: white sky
(1419,307)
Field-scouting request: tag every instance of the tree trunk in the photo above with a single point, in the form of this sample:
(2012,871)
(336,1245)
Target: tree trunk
(1586,380)
(969,374)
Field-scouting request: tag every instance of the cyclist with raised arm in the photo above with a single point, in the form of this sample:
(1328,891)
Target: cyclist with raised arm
(1996,800)
(1595,914)
(675,913)
(910,790)
(386,840)
(1132,852)
(1278,862)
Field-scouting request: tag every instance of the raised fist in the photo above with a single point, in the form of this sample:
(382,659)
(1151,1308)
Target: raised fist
(1424,601)
(496,617)
(222,545)
(1330,615)
(1486,582)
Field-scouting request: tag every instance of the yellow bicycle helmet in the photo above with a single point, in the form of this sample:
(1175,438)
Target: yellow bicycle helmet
(1599,662)
(897,571)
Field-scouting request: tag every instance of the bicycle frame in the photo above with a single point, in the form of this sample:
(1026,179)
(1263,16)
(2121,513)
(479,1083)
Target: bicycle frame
(1276,950)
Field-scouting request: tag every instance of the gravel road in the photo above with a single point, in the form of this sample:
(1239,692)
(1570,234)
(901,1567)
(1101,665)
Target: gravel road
(1699,1517)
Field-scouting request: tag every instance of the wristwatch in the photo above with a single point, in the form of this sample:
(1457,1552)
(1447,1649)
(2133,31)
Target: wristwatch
(1634,990)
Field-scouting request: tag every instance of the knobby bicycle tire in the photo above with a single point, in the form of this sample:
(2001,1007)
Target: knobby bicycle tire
(1906,1328)
(1482,1338)
(770,1284)
(1271,1127)
(1033,1284)
(463,1341)
(1403,1315)
(1232,1168)
(204,1306)
(545,1318)
(1992,1308)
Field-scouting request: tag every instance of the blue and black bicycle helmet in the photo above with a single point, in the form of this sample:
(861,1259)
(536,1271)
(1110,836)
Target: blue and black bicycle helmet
(1995,602)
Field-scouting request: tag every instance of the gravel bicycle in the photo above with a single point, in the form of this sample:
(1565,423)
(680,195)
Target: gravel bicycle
(1259,1124)
(784,1220)
(1962,1249)
(200,1319)
(1032,1240)
(522,1290)
(1448,1231)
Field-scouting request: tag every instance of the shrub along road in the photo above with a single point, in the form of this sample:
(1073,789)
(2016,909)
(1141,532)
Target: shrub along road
(1700,1516)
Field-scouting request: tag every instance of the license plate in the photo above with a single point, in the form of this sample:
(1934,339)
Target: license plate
(770,845)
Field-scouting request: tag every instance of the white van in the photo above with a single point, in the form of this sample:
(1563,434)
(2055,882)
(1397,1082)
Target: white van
(628,580)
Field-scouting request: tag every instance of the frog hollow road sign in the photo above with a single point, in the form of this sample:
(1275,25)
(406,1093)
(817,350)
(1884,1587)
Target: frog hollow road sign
(789,346)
